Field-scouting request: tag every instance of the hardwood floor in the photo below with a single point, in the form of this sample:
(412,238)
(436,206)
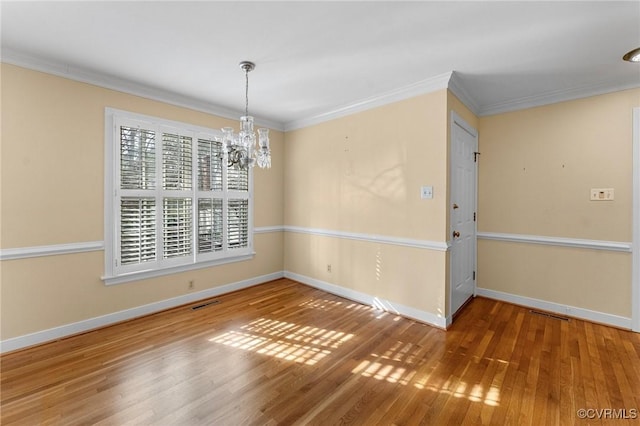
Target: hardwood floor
(285,353)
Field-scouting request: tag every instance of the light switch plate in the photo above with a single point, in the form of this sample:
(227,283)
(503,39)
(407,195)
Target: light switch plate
(426,192)
(602,194)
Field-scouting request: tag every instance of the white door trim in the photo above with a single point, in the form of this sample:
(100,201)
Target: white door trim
(635,268)
(458,120)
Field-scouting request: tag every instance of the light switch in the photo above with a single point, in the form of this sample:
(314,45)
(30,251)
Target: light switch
(602,194)
(426,192)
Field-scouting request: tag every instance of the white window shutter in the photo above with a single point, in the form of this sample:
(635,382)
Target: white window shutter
(176,162)
(174,201)
(210,235)
(209,165)
(237,180)
(238,223)
(137,158)
(177,227)
(137,230)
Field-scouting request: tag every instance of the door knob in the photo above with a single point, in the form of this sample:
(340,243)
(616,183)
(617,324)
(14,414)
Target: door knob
(456,234)
(455,206)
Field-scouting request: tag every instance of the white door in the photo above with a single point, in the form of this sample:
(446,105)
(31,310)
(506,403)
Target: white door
(464,147)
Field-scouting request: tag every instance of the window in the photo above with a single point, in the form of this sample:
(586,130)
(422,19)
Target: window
(171,202)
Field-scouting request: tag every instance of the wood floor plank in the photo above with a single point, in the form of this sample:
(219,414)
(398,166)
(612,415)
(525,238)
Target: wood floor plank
(284,353)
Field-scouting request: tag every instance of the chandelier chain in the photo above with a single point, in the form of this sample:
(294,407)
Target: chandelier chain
(246,92)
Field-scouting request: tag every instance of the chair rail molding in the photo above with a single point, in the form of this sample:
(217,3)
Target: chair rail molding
(557,241)
(50,250)
(371,238)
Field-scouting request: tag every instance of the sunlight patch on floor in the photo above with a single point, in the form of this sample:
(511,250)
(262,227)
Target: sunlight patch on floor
(395,366)
(280,339)
(322,304)
(475,393)
(384,371)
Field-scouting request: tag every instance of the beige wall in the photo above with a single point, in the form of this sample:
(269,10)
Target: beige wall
(45,292)
(362,174)
(536,169)
(52,193)
(589,279)
(408,276)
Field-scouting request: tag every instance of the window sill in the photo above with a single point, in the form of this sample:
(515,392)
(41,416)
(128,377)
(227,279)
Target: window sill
(152,273)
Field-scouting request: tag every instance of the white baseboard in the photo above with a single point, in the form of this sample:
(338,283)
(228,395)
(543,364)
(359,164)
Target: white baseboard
(366,299)
(56,333)
(566,310)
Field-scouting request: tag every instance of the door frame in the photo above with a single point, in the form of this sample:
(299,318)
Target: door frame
(456,119)
(635,242)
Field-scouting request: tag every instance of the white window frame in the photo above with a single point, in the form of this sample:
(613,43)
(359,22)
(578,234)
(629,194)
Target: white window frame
(115,273)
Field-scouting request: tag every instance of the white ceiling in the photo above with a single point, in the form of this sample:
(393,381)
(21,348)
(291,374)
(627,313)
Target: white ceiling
(315,58)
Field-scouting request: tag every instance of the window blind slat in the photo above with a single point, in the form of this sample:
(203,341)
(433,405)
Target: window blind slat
(210,234)
(209,165)
(137,158)
(177,227)
(176,162)
(237,180)
(238,223)
(137,230)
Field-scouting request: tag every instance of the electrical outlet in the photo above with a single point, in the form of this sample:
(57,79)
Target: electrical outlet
(192,284)
(602,194)
(328,267)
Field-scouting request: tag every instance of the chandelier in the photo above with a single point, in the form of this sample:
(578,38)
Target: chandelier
(240,149)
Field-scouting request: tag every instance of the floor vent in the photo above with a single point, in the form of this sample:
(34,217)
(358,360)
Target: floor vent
(546,314)
(204,305)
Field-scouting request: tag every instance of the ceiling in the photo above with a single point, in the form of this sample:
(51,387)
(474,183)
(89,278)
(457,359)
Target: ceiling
(316,58)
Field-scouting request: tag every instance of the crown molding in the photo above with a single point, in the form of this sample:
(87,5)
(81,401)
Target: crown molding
(554,97)
(84,75)
(419,88)
(458,89)
(449,80)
